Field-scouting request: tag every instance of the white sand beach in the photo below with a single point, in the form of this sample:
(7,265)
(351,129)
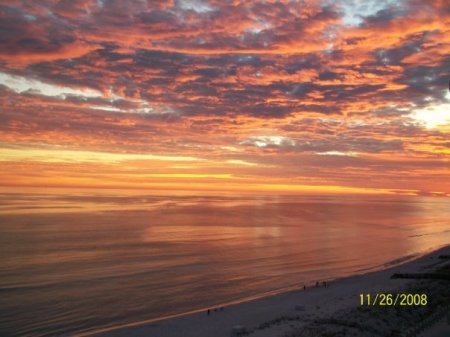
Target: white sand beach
(284,314)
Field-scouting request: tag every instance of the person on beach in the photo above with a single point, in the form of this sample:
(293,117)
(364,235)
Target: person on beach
(304,287)
(208,312)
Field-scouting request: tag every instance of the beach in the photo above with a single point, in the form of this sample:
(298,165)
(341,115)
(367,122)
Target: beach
(334,307)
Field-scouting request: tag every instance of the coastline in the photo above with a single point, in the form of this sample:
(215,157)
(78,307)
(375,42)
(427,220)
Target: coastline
(281,313)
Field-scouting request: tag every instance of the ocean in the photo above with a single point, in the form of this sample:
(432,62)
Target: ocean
(82,262)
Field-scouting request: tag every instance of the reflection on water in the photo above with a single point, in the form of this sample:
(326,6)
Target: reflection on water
(81,262)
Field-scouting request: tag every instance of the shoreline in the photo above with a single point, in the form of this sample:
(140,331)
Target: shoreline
(258,310)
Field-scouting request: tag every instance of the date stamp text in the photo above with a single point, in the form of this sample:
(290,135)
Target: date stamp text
(382,299)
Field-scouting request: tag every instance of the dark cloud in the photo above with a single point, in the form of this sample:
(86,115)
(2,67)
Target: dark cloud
(325,144)
(329,75)
(383,16)
(427,81)
(397,54)
(158,16)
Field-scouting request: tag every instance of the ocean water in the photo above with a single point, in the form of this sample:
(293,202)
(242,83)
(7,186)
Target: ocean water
(83,262)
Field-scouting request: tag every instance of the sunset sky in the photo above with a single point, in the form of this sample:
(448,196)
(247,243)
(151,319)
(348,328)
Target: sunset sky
(211,95)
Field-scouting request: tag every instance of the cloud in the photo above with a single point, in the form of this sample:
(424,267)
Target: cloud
(338,153)
(356,13)
(70,156)
(21,84)
(268,141)
(194,5)
(323,84)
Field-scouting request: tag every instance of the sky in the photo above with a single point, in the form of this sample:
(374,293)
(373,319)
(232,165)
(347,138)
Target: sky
(205,95)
